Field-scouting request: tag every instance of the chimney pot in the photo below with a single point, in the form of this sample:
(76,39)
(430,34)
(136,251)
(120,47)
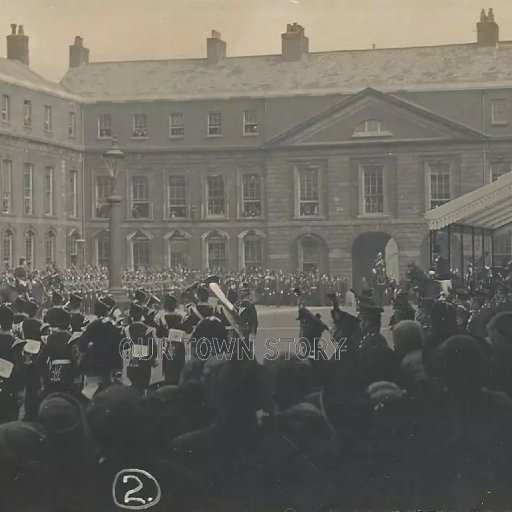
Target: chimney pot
(78,54)
(215,48)
(17,45)
(294,42)
(488,31)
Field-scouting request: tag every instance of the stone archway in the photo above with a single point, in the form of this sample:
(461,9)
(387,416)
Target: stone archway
(364,251)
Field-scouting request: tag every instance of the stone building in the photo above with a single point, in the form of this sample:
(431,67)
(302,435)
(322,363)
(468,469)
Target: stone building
(300,160)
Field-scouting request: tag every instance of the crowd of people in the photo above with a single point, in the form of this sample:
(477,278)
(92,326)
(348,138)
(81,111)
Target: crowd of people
(421,421)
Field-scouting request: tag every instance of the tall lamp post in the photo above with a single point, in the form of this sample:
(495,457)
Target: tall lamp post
(113,160)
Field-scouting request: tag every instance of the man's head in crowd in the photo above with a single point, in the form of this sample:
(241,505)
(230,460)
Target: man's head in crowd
(407,337)
(499,330)
(6,317)
(170,302)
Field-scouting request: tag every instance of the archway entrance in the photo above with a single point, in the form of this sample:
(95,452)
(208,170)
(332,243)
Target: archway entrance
(312,254)
(364,252)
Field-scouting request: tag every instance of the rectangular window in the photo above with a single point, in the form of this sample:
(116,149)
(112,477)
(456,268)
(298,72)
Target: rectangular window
(102,193)
(176,125)
(27,114)
(104,126)
(502,249)
(373,189)
(440,184)
(73,199)
(308,192)
(499,111)
(178,253)
(498,169)
(251,195)
(140,126)
(71,124)
(103,250)
(253,254)
(177,199)
(28,199)
(6,186)
(50,248)
(29,249)
(217,255)
(214,124)
(48,118)
(48,190)
(141,253)
(216,200)
(140,195)
(6,107)
(250,122)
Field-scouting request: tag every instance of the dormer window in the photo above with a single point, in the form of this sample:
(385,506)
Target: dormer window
(371,128)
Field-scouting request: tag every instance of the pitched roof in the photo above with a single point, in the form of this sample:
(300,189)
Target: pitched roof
(422,68)
(17,73)
(302,127)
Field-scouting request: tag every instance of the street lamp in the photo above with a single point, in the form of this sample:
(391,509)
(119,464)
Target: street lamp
(113,161)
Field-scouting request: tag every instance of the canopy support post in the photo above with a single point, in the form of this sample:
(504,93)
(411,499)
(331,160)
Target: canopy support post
(449,232)
(473,256)
(462,252)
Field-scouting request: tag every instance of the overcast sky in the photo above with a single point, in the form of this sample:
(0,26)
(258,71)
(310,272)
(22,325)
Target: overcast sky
(161,29)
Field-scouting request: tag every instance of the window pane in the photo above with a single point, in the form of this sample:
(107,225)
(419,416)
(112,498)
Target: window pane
(251,195)
(27,114)
(140,126)
(214,123)
(499,111)
(28,173)
(177,127)
(373,189)
(140,203)
(215,191)
(48,191)
(253,252)
(73,206)
(6,108)
(308,192)
(6,186)
(503,249)
(217,254)
(178,252)
(48,118)
(102,193)
(104,126)
(439,184)
(103,245)
(141,253)
(177,200)
(250,122)
(50,248)
(29,249)
(7,248)
(71,124)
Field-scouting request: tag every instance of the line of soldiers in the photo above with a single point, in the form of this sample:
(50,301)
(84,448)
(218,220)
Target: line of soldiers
(65,351)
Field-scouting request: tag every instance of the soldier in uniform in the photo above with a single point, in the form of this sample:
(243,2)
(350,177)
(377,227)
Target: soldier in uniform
(199,311)
(58,359)
(101,361)
(247,310)
(174,358)
(370,315)
(402,308)
(31,325)
(9,382)
(74,307)
(143,355)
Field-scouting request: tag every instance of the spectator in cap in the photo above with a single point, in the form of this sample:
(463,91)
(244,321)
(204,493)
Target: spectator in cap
(57,298)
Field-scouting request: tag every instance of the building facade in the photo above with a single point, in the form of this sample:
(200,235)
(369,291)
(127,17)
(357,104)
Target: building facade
(41,164)
(293,161)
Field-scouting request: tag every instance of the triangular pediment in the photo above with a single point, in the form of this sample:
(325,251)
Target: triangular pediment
(371,117)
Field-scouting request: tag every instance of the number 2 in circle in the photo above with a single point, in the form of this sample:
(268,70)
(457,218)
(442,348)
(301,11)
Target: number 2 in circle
(135,489)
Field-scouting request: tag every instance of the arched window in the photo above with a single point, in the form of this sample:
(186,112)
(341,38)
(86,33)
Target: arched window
(371,128)
(8,240)
(29,249)
(178,249)
(141,251)
(49,247)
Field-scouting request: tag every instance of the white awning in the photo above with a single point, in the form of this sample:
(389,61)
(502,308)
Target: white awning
(488,207)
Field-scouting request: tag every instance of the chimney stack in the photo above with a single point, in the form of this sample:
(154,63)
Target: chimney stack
(78,54)
(294,42)
(215,48)
(488,31)
(17,45)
